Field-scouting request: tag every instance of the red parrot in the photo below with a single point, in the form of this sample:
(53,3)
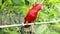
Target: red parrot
(32,14)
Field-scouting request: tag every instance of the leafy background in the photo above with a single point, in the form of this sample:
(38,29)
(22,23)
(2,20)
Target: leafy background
(14,12)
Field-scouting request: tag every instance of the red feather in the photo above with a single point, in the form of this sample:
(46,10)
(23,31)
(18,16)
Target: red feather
(32,14)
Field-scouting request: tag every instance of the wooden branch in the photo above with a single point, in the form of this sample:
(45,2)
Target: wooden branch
(15,25)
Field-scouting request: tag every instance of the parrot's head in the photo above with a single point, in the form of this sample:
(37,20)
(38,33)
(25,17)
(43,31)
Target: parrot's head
(39,7)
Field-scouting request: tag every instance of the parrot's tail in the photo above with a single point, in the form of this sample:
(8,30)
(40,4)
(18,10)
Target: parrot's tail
(26,22)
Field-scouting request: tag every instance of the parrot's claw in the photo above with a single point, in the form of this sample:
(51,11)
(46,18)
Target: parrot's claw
(34,24)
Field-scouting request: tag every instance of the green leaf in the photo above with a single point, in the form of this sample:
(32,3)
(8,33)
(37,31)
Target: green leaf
(54,1)
(17,2)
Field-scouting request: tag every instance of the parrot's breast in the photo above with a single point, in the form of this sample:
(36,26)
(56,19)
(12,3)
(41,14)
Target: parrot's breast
(31,15)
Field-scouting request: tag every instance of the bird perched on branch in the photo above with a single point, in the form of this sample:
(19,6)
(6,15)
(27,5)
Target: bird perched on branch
(32,14)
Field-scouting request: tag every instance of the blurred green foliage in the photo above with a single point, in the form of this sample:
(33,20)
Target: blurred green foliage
(14,9)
